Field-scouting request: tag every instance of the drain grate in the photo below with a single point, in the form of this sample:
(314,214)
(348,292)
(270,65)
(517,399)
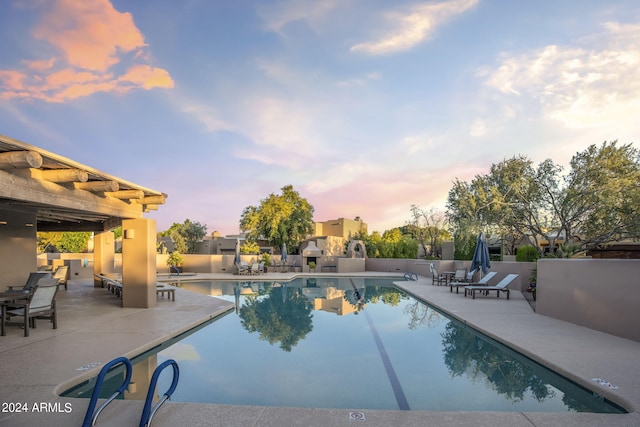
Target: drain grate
(356,416)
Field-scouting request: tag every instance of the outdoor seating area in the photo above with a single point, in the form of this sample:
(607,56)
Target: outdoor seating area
(39,303)
(113,283)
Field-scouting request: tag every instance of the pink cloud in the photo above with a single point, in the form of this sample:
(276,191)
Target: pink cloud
(148,77)
(40,65)
(12,80)
(90,34)
(90,37)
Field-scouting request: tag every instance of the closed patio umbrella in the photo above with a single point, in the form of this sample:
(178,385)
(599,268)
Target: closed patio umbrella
(236,260)
(283,255)
(480,260)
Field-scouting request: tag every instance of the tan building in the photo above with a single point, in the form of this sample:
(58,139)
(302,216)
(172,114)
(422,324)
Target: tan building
(341,227)
(332,236)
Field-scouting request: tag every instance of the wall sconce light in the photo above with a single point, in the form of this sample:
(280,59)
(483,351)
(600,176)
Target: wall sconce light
(3,222)
(129,234)
(28,224)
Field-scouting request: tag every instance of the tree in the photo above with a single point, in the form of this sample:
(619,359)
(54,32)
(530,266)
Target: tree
(427,227)
(186,236)
(603,192)
(595,204)
(48,240)
(72,242)
(391,244)
(284,218)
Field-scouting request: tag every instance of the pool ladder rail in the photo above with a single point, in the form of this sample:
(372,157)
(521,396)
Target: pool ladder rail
(411,277)
(148,412)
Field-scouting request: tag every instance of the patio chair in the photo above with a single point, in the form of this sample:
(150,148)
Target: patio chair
(61,275)
(460,275)
(254,268)
(41,305)
(261,268)
(32,282)
(469,277)
(242,268)
(436,277)
(502,286)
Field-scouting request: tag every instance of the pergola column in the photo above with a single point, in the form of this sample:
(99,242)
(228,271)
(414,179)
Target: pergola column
(103,254)
(139,263)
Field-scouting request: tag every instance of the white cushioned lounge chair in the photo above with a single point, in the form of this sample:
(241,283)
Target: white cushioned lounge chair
(481,282)
(501,286)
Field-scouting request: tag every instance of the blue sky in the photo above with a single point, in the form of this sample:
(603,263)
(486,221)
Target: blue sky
(365,107)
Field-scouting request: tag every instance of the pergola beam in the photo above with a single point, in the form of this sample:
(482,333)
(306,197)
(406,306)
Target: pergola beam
(20,160)
(97,186)
(125,194)
(65,175)
(42,192)
(152,200)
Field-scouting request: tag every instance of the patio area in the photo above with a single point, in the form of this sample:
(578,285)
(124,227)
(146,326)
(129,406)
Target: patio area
(93,329)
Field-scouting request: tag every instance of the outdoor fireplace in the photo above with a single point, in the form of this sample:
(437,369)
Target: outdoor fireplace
(311,253)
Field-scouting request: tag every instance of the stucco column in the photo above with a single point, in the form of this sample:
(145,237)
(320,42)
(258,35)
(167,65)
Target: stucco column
(139,263)
(103,254)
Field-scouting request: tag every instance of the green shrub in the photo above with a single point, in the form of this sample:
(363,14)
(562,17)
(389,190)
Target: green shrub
(527,254)
(175,259)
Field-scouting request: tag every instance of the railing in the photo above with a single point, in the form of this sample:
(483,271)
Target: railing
(410,276)
(148,412)
(90,418)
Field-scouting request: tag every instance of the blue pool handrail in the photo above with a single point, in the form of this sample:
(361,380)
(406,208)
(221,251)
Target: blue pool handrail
(148,412)
(90,418)
(410,276)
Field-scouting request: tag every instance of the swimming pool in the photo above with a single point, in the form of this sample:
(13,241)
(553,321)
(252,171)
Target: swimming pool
(350,343)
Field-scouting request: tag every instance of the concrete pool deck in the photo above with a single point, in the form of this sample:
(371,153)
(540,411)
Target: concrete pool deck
(93,329)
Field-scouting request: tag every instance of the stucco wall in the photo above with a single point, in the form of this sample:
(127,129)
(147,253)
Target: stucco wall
(600,294)
(17,247)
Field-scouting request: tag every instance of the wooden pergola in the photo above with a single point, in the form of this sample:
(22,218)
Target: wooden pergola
(42,191)
(66,195)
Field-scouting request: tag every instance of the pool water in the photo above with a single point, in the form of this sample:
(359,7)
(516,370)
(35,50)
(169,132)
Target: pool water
(351,343)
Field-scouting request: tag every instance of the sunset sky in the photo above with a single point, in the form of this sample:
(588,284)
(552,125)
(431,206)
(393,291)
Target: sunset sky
(364,106)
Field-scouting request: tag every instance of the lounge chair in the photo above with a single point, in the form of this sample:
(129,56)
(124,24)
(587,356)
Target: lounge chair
(61,275)
(41,305)
(481,282)
(242,268)
(500,287)
(257,268)
(436,277)
(32,282)
(162,289)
